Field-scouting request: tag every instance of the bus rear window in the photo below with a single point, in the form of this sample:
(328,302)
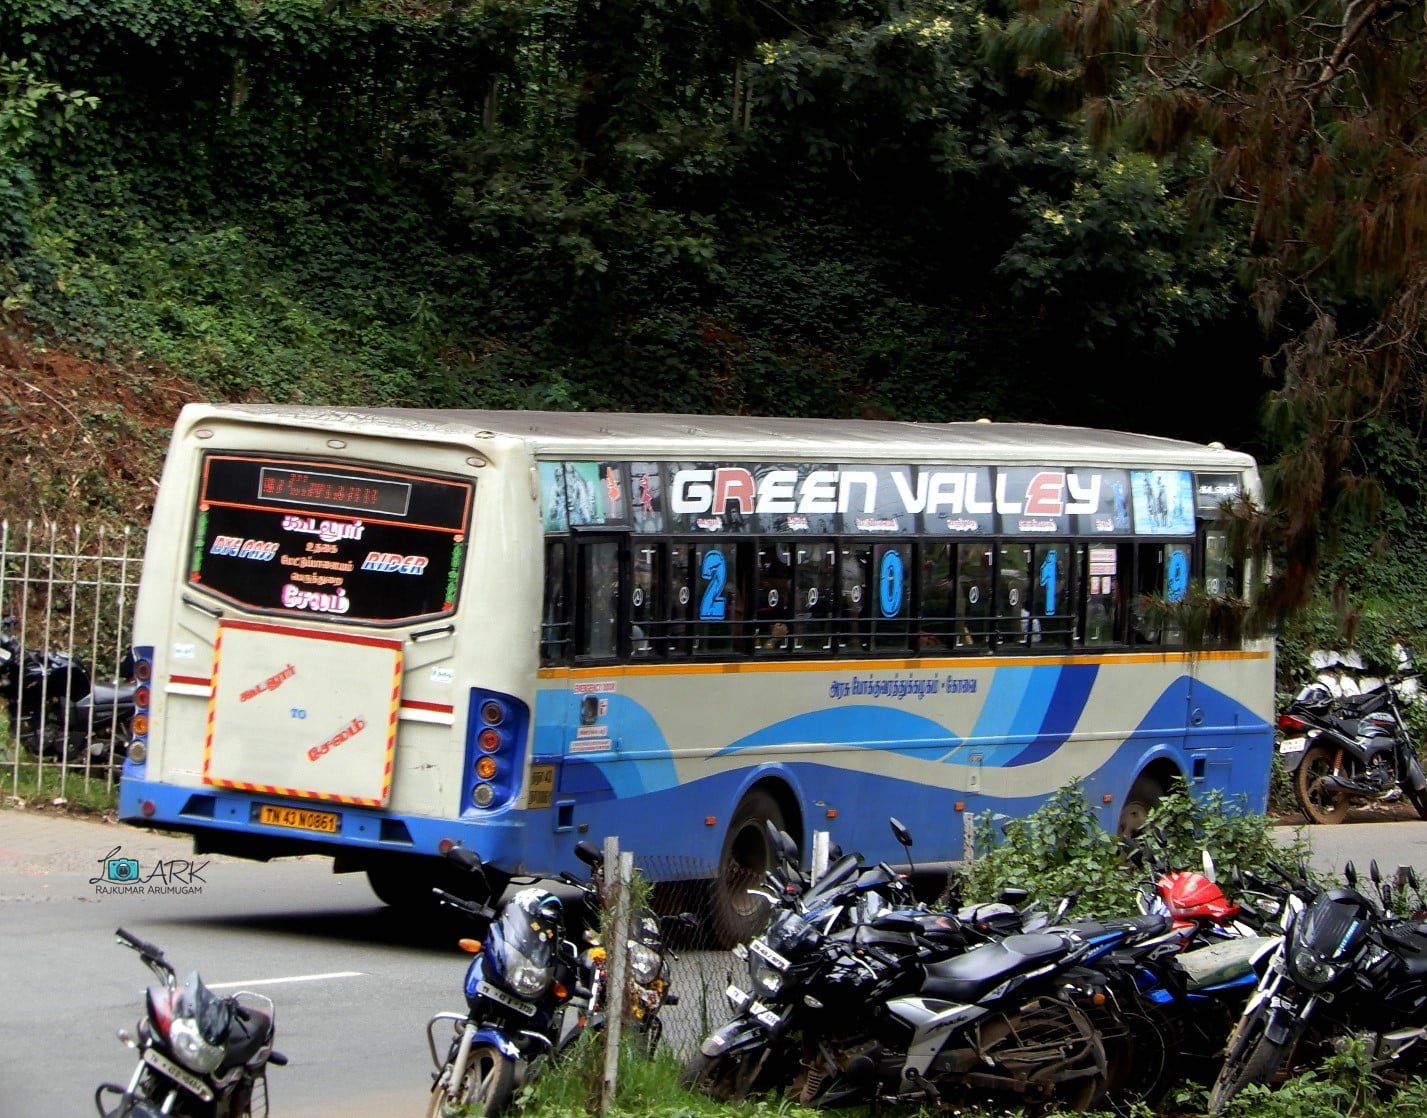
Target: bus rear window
(307,537)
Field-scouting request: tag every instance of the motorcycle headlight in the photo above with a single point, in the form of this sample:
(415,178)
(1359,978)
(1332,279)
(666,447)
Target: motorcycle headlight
(643,963)
(1311,972)
(765,979)
(527,979)
(191,1049)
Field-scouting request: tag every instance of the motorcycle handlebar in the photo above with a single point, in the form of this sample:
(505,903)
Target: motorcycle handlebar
(143,947)
(471,908)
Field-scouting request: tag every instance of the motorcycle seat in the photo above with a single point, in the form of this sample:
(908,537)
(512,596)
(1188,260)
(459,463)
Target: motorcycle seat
(966,977)
(107,695)
(248,1032)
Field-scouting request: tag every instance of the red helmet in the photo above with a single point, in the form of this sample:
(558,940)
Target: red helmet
(1192,896)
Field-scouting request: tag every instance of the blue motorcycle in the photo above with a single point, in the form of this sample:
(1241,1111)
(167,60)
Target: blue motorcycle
(524,1003)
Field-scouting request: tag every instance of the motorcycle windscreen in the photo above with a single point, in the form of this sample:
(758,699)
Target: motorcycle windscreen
(305,714)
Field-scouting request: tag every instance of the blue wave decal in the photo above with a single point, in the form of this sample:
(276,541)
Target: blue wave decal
(1061,714)
(865,727)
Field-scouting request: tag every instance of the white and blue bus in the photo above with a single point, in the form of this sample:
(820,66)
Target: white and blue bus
(375,633)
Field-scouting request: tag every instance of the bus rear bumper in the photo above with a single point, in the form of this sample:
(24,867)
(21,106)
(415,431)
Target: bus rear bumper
(235,823)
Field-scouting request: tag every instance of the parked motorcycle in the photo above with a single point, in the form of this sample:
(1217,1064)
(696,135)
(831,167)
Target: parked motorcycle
(1345,966)
(1350,750)
(200,1055)
(518,987)
(647,958)
(884,1012)
(55,707)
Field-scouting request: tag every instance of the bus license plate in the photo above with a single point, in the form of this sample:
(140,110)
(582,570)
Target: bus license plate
(299,818)
(486,990)
(1292,745)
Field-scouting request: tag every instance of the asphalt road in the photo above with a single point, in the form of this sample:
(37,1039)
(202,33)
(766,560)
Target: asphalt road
(353,983)
(354,986)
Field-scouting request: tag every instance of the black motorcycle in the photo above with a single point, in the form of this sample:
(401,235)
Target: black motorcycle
(904,1008)
(200,1055)
(57,710)
(1350,750)
(1346,966)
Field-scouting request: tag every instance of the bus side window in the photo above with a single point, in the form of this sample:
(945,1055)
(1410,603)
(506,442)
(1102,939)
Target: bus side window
(855,595)
(1149,583)
(555,616)
(1100,582)
(1050,618)
(815,580)
(597,601)
(719,595)
(678,630)
(1013,598)
(890,596)
(973,595)
(773,595)
(937,599)
(645,605)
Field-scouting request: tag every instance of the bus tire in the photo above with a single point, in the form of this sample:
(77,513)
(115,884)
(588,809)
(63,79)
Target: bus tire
(735,916)
(402,888)
(1144,794)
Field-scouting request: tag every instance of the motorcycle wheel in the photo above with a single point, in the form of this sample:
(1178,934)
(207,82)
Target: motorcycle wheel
(1319,804)
(1252,1058)
(719,1077)
(1049,1052)
(485,1089)
(1419,801)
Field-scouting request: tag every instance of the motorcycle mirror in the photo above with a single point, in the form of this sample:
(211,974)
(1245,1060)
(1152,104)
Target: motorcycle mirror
(467,859)
(1350,874)
(903,835)
(1208,865)
(587,852)
(1013,896)
(1412,877)
(1374,872)
(1161,836)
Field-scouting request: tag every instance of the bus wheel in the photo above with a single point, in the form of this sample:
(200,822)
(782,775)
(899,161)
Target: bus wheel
(404,888)
(736,916)
(1145,792)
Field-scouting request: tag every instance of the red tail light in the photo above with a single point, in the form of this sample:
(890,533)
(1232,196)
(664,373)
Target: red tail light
(1291,722)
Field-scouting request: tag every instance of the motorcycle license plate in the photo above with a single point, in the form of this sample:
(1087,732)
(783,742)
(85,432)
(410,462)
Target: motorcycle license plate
(1292,745)
(760,1012)
(486,990)
(768,955)
(300,818)
(160,1062)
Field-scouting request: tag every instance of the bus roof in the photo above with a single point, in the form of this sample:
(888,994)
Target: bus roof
(632,435)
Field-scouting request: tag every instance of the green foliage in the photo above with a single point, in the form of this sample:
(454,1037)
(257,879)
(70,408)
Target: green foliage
(1062,847)
(514,205)
(1059,848)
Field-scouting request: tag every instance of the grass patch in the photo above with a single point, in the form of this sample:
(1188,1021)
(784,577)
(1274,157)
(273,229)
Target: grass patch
(52,788)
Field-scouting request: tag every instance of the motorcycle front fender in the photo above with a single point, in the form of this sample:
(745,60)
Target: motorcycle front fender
(1415,779)
(739,1035)
(1285,1022)
(497,1040)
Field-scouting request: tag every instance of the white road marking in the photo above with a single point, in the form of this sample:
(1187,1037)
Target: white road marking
(292,978)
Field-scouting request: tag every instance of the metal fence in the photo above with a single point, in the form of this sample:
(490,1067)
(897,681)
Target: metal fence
(66,605)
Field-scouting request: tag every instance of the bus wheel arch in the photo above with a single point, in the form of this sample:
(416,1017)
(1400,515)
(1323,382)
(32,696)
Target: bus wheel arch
(744,857)
(1148,788)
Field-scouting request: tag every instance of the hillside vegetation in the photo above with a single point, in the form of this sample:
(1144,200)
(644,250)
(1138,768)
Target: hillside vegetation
(825,208)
